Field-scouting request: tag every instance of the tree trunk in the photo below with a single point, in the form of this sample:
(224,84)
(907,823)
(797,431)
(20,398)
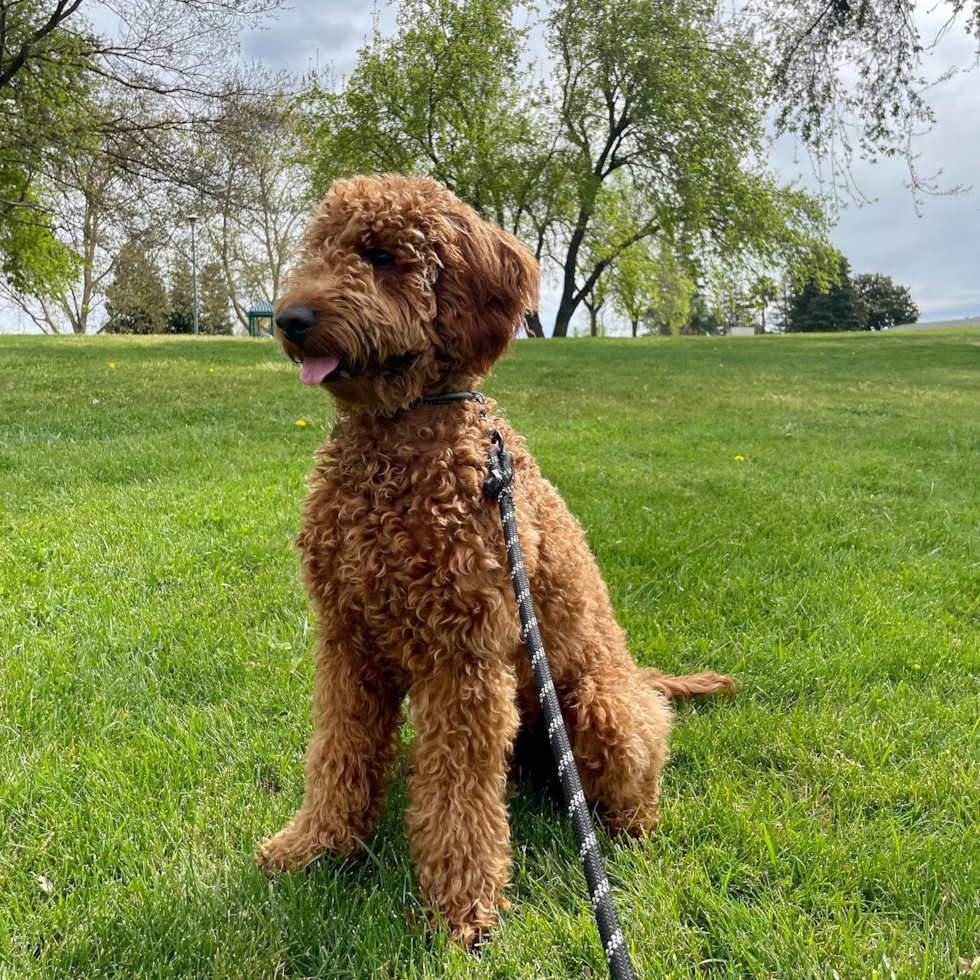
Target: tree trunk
(564,317)
(635,324)
(593,317)
(533,323)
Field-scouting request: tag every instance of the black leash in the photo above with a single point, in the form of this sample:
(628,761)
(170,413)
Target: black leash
(499,487)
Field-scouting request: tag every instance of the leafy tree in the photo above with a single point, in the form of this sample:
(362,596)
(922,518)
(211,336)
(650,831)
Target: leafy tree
(450,95)
(651,290)
(136,300)
(181,317)
(839,307)
(215,311)
(60,86)
(42,99)
(782,318)
(658,96)
(259,202)
(96,207)
(593,304)
(887,304)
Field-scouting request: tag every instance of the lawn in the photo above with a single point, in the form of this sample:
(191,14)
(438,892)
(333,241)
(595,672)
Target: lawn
(800,512)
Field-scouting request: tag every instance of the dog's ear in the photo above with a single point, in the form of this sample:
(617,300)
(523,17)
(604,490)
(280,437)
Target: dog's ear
(487,285)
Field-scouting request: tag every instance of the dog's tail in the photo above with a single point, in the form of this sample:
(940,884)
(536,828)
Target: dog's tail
(688,686)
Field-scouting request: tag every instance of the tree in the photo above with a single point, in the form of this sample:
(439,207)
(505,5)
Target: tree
(181,317)
(593,303)
(659,96)
(96,207)
(702,319)
(450,95)
(260,200)
(650,289)
(887,304)
(215,312)
(846,78)
(837,308)
(782,318)
(42,99)
(53,68)
(136,300)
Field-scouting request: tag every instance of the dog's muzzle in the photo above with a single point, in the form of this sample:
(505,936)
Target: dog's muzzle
(296,322)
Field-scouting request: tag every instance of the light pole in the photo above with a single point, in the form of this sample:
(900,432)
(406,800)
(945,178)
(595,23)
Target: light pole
(192,218)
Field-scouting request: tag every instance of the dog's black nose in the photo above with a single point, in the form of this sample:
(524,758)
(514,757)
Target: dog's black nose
(296,321)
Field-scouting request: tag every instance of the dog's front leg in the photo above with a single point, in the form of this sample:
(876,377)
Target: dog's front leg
(465,720)
(355,715)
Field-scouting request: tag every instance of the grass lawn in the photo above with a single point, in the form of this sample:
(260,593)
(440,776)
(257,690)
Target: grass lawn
(802,513)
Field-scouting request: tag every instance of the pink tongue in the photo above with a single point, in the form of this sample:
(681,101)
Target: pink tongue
(315,369)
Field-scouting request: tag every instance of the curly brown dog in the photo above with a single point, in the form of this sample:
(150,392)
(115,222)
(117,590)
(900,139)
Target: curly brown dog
(402,291)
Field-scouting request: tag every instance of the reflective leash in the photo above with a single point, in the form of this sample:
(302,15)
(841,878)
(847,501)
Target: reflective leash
(499,487)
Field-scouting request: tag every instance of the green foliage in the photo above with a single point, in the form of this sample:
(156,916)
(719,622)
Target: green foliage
(32,260)
(839,307)
(864,302)
(155,681)
(445,95)
(136,299)
(215,309)
(887,304)
(847,79)
(651,289)
(702,319)
(181,317)
(43,127)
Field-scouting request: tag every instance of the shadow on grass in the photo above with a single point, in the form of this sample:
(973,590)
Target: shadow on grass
(220,917)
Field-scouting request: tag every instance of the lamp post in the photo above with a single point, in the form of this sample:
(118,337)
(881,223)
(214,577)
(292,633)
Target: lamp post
(192,218)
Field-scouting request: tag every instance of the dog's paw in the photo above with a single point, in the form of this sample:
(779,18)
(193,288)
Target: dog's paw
(471,935)
(631,822)
(470,928)
(291,849)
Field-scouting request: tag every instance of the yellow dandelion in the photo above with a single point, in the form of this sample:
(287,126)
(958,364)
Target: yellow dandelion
(210,370)
(740,458)
(300,422)
(917,666)
(112,364)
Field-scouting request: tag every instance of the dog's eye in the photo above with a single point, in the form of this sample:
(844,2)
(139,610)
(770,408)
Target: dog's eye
(379,258)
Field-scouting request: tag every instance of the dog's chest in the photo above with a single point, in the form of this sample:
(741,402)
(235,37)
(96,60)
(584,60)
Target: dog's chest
(397,538)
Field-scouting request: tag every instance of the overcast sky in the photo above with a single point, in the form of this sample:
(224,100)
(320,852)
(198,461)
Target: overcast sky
(937,255)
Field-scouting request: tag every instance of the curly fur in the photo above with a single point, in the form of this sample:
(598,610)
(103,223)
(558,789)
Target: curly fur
(403,557)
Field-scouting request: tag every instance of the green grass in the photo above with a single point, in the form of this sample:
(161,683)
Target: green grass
(154,682)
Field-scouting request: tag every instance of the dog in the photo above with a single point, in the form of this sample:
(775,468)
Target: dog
(402,291)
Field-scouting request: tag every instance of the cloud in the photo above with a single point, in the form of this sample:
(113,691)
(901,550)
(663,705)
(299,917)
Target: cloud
(310,34)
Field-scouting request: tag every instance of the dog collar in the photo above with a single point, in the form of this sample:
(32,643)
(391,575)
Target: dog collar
(448,397)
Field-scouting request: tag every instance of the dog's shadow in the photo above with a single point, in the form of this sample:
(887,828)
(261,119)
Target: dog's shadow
(338,919)
(355,919)
(367,918)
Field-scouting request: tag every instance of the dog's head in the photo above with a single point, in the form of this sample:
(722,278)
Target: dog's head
(401,290)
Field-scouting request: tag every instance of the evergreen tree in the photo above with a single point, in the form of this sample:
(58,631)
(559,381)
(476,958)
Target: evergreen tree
(181,319)
(841,307)
(702,318)
(215,301)
(136,300)
(887,303)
